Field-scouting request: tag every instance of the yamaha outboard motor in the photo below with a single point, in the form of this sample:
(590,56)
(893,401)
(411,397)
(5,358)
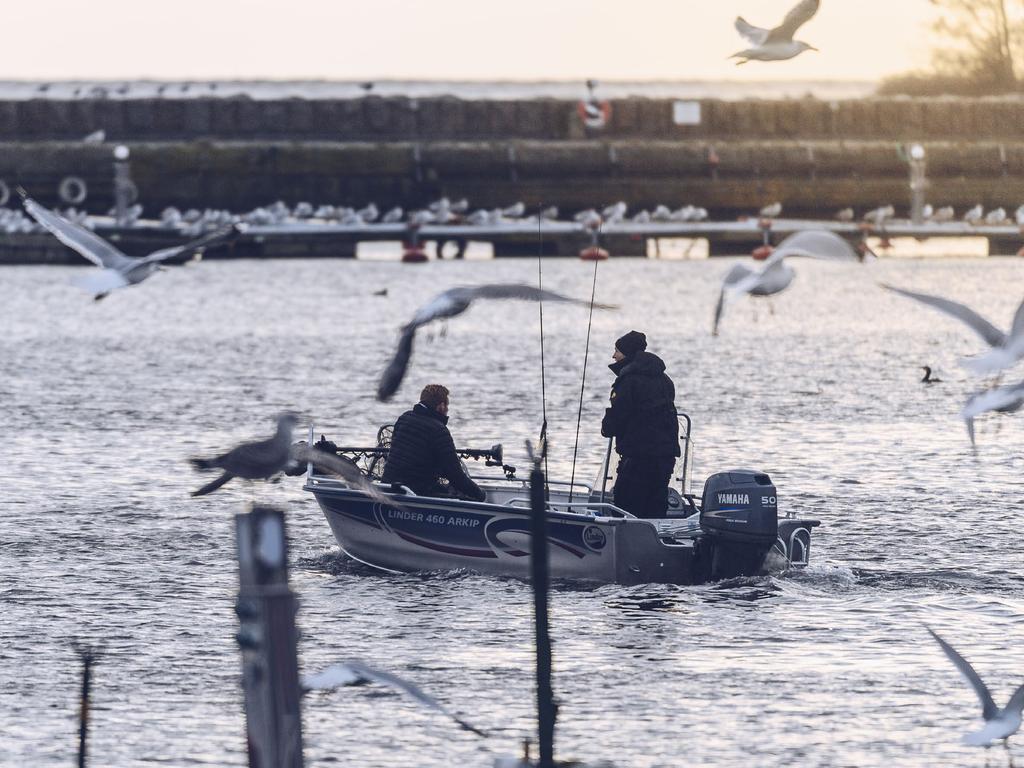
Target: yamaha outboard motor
(739,512)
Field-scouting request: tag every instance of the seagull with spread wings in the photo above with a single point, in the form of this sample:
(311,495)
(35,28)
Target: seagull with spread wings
(357,673)
(775,276)
(1006,399)
(117,270)
(776,44)
(1006,348)
(1000,724)
(264,459)
(454,302)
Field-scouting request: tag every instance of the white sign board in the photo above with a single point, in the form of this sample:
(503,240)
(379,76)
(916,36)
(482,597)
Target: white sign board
(686,113)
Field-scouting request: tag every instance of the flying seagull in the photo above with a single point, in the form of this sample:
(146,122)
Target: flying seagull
(999,723)
(357,673)
(117,270)
(1006,348)
(454,302)
(776,275)
(776,44)
(263,459)
(1006,399)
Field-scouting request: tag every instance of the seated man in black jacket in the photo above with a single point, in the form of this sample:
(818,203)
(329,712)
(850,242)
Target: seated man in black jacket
(642,419)
(422,450)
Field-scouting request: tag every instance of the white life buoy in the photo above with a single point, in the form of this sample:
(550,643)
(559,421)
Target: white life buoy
(73,190)
(594,114)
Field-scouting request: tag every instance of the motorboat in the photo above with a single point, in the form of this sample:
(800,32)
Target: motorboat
(731,529)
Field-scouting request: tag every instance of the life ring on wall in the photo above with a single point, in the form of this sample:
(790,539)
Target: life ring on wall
(594,114)
(5,193)
(73,190)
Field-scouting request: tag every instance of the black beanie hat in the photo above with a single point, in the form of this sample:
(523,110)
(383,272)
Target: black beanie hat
(631,343)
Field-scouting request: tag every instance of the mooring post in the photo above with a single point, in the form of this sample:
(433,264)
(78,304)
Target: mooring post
(918,183)
(124,187)
(266,611)
(546,710)
(88,656)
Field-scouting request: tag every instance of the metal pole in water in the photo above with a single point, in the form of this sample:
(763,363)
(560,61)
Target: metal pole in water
(918,183)
(266,611)
(540,578)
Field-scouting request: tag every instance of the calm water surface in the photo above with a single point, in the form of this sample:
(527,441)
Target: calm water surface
(103,403)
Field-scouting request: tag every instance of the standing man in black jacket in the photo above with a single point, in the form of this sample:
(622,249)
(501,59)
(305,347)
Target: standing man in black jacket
(642,419)
(422,450)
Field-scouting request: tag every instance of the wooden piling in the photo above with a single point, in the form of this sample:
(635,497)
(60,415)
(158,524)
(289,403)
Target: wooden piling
(540,578)
(266,610)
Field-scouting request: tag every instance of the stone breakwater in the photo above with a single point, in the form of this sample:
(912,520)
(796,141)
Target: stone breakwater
(730,157)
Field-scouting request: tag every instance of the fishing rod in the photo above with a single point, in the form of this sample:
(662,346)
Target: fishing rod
(586,355)
(543,387)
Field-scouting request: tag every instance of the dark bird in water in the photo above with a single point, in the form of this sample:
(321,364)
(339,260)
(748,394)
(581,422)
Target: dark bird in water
(367,86)
(381,292)
(776,44)
(357,673)
(264,459)
(928,378)
(999,723)
(454,302)
(117,270)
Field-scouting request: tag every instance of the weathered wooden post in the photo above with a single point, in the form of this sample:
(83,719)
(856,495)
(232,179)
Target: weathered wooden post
(89,656)
(540,577)
(266,611)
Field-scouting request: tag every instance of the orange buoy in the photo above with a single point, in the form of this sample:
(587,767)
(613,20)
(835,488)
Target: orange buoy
(413,253)
(762,252)
(594,253)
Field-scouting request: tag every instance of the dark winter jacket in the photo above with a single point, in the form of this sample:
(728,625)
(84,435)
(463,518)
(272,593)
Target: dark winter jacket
(642,416)
(422,450)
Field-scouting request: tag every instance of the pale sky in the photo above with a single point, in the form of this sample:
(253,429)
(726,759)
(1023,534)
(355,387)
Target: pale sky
(449,39)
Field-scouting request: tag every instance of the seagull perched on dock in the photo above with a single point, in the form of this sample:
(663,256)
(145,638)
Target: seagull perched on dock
(1006,399)
(846,214)
(1000,724)
(944,214)
(879,215)
(776,275)
(1006,348)
(357,673)
(776,44)
(772,211)
(454,302)
(264,459)
(117,269)
(975,215)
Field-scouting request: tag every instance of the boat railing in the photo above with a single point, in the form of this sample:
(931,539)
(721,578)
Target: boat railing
(568,506)
(686,457)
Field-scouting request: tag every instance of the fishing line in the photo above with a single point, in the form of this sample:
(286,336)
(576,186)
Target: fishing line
(586,354)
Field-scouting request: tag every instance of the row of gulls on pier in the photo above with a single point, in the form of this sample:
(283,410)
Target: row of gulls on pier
(975,216)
